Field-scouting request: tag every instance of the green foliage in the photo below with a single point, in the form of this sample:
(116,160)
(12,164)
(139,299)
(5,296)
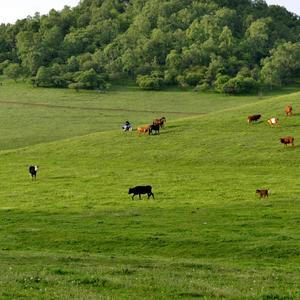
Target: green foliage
(154,81)
(13,71)
(89,80)
(125,39)
(195,75)
(220,82)
(72,64)
(282,65)
(239,85)
(202,87)
(4,65)
(53,76)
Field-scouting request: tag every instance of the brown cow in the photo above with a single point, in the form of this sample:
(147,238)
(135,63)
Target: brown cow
(143,129)
(262,193)
(273,121)
(287,140)
(253,118)
(288,110)
(160,121)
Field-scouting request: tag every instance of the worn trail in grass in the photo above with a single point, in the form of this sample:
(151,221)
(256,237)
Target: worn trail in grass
(55,114)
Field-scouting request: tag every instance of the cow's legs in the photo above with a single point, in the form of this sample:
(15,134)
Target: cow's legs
(150,194)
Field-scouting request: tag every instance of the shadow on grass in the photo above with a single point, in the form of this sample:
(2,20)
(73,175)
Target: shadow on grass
(173,126)
(161,133)
(62,177)
(289,148)
(191,295)
(255,123)
(292,125)
(294,115)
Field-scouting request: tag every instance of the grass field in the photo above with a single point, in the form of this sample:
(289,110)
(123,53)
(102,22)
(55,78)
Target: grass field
(75,233)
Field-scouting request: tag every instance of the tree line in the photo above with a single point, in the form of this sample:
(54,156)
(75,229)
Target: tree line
(231,46)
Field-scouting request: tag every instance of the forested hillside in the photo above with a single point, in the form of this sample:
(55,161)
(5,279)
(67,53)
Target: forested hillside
(233,46)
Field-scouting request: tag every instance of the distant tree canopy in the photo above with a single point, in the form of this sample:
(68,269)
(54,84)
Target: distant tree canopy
(232,46)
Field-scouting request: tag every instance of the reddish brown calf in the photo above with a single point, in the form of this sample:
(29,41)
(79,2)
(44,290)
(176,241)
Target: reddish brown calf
(287,140)
(262,193)
(253,118)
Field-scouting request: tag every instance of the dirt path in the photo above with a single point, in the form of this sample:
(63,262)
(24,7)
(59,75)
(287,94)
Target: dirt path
(99,108)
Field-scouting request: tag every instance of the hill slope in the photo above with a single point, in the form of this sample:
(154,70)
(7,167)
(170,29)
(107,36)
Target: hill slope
(76,233)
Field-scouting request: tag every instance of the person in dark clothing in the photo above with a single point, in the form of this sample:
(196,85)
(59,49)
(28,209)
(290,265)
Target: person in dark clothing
(127,126)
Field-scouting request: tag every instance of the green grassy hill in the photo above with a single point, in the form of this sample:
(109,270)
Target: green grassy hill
(75,233)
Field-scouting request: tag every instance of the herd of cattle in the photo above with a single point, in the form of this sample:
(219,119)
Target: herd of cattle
(287,140)
(275,122)
(159,123)
(154,127)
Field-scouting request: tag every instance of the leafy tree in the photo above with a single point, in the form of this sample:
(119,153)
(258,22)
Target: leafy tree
(154,81)
(4,65)
(13,71)
(283,65)
(240,85)
(72,64)
(43,77)
(221,80)
(177,39)
(89,80)
(194,75)
(226,42)
(215,68)
(257,39)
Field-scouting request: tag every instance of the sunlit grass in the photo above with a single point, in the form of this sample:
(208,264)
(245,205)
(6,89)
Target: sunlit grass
(75,233)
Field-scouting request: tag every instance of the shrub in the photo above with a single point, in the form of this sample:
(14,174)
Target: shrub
(53,76)
(240,85)
(194,76)
(13,71)
(89,80)
(4,65)
(202,87)
(150,82)
(220,82)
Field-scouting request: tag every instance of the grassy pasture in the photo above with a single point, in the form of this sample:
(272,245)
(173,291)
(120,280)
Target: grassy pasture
(76,234)
(29,115)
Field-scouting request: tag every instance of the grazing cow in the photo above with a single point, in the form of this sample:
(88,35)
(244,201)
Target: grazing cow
(160,121)
(288,110)
(138,190)
(253,118)
(273,121)
(33,170)
(287,140)
(143,129)
(262,193)
(155,128)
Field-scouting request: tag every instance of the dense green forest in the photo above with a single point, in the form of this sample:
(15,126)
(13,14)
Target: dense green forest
(232,46)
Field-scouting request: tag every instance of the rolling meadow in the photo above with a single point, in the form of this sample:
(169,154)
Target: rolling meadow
(75,233)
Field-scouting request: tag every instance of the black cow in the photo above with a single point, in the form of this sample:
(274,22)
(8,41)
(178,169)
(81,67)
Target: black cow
(155,128)
(33,171)
(138,190)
